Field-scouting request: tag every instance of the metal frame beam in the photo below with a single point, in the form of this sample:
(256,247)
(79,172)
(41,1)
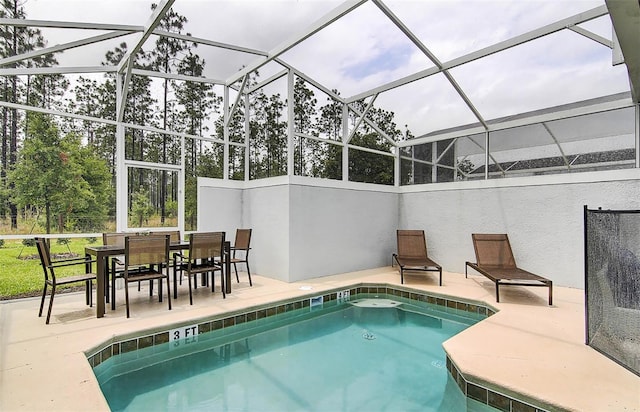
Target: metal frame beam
(487,51)
(126,64)
(395,20)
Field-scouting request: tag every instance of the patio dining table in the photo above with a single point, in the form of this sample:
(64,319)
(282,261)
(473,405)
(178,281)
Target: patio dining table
(102,254)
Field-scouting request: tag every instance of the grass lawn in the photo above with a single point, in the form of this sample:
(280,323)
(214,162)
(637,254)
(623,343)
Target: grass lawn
(20,270)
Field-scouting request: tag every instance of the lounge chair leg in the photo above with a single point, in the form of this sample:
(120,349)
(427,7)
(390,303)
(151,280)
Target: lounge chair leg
(550,293)
(440,283)
(44,293)
(497,293)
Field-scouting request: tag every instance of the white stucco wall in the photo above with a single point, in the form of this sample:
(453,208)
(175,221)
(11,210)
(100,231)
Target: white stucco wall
(336,230)
(305,228)
(266,212)
(543,217)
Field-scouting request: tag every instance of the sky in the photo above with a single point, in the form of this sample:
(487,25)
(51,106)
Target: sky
(364,49)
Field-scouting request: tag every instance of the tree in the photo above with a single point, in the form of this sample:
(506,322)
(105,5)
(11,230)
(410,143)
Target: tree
(50,174)
(17,40)
(141,208)
(308,153)
(164,59)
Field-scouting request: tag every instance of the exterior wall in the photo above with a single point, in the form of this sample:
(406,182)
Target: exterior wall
(543,217)
(266,212)
(338,230)
(219,207)
(305,228)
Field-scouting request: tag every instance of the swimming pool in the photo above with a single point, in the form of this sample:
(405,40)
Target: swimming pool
(360,354)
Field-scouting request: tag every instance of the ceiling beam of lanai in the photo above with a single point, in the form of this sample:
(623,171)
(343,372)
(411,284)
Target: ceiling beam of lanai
(431,57)
(340,11)
(126,64)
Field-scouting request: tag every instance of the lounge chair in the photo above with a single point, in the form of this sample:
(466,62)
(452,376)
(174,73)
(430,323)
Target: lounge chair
(412,254)
(495,260)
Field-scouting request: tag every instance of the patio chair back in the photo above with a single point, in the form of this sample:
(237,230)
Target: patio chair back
(114,239)
(493,251)
(146,250)
(174,235)
(243,239)
(412,244)
(206,245)
(45,259)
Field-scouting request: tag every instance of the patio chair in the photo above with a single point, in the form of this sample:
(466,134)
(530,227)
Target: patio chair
(174,237)
(412,254)
(495,260)
(241,244)
(205,250)
(115,268)
(146,258)
(50,278)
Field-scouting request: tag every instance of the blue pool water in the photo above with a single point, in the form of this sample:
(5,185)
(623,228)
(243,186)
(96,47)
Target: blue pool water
(346,358)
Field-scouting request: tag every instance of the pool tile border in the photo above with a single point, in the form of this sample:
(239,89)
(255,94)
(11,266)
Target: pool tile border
(488,396)
(118,345)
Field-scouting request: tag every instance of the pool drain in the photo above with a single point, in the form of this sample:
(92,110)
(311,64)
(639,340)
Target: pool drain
(368,335)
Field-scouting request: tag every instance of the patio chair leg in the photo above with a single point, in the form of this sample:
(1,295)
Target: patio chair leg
(249,273)
(107,294)
(53,292)
(236,269)
(113,284)
(44,293)
(190,293)
(175,284)
(89,293)
(168,290)
(550,293)
(401,276)
(497,292)
(126,295)
(224,295)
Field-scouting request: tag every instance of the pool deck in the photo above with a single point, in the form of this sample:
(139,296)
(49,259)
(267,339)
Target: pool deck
(527,348)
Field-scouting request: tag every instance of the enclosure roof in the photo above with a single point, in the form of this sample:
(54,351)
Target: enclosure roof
(436,64)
